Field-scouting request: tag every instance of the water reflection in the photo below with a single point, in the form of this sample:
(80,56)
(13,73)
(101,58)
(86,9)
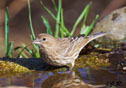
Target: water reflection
(106,77)
(81,78)
(65,81)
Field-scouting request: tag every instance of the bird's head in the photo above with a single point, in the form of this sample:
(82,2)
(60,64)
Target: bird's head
(45,40)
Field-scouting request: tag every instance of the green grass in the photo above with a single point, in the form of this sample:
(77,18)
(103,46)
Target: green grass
(8,45)
(46,23)
(60,29)
(36,48)
(82,15)
(87,29)
(35,51)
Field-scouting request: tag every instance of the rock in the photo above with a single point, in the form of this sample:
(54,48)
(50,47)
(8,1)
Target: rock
(115,23)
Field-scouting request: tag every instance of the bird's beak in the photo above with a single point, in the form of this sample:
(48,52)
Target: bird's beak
(36,41)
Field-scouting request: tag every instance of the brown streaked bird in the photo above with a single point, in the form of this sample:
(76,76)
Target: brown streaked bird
(62,51)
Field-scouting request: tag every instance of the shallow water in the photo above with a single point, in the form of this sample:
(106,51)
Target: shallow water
(113,76)
(82,76)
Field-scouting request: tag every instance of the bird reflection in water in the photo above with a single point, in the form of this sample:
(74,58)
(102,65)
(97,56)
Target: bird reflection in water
(66,80)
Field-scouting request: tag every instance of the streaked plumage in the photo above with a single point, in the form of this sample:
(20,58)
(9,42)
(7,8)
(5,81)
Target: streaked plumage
(62,51)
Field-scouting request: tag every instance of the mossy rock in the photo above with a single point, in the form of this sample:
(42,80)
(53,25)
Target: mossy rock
(8,68)
(93,60)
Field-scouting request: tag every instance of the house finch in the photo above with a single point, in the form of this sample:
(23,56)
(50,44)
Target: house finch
(62,51)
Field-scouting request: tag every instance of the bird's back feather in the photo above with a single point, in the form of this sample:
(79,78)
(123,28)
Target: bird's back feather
(73,46)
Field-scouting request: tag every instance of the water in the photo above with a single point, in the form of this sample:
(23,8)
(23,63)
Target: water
(81,78)
(113,76)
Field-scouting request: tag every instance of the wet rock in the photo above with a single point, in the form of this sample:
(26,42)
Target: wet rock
(117,60)
(115,23)
(9,68)
(94,60)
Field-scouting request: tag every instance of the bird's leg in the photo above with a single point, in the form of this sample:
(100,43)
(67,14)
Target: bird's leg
(71,69)
(72,65)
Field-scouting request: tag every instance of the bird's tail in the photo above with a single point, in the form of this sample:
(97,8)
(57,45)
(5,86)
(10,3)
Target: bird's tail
(95,36)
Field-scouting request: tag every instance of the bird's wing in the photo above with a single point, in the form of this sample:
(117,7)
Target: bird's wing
(71,47)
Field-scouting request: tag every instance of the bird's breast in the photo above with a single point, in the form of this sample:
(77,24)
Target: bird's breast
(50,57)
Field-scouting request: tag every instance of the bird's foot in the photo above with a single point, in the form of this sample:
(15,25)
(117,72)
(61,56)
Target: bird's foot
(70,70)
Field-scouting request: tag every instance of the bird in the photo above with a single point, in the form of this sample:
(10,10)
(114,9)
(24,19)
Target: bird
(62,51)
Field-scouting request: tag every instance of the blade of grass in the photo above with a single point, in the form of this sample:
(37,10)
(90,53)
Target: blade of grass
(61,33)
(79,19)
(32,30)
(24,47)
(19,48)
(35,46)
(7,31)
(48,27)
(86,13)
(10,49)
(36,49)
(54,4)
(37,54)
(30,20)
(22,54)
(58,19)
(65,30)
(88,30)
(53,16)
(27,49)
(83,29)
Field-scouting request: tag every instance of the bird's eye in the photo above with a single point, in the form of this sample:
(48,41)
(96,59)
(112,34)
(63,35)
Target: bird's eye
(44,39)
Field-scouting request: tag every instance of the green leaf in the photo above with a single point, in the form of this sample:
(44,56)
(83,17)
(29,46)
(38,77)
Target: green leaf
(53,16)
(54,4)
(10,49)
(83,30)
(32,30)
(80,18)
(30,20)
(27,49)
(36,49)
(61,32)
(63,28)
(21,54)
(88,30)
(7,31)
(86,13)
(22,48)
(48,27)
(34,45)
(58,19)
